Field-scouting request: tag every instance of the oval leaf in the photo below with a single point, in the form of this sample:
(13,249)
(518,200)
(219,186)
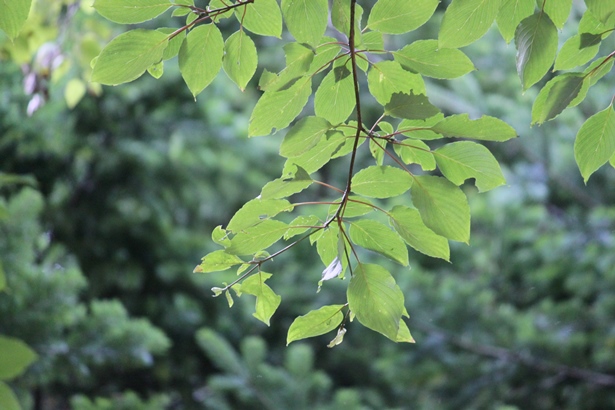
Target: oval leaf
(128,55)
(379,238)
(381,182)
(511,13)
(131,11)
(388,77)
(397,17)
(595,142)
(411,107)
(315,323)
(334,100)
(261,17)
(200,57)
(409,225)
(267,301)
(426,58)
(484,128)
(465,21)
(306,19)
(536,42)
(240,58)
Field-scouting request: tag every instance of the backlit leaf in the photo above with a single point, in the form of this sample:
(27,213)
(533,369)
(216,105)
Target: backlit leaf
(558,94)
(602,9)
(397,17)
(256,210)
(334,100)
(257,237)
(388,77)
(315,323)
(577,50)
(379,238)
(131,11)
(128,55)
(536,42)
(356,206)
(375,299)
(240,58)
(410,106)
(306,19)
(557,10)
(261,17)
(277,109)
(200,57)
(484,128)
(267,301)
(305,134)
(415,152)
(595,142)
(218,261)
(13,16)
(510,15)
(424,57)
(443,207)
(290,183)
(381,182)
(403,335)
(410,226)
(340,16)
(301,224)
(461,160)
(465,21)
(319,155)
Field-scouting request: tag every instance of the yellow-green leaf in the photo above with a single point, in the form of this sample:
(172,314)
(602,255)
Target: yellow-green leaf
(13,16)
(424,57)
(397,17)
(306,19)
(315,323)
(131,11)
(15,358)
(510,15)
(335,100)
(388,77)
(261,17)
(381,182)
(267,301)
(379,238)
(200,57)
(465,21)
(8,400)
(595,142)
(409,225)
(240,58)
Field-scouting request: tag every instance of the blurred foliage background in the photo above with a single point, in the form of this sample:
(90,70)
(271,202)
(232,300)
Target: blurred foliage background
(106,208)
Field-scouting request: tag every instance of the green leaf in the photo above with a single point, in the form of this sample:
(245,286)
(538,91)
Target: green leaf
(410,106)
(14,15)
(465,21)
(128,55)
(267,301)
(315,323)
(558,94)
(255,211)
(602,9)
(379,238)
(200,57)
(257,237)
(398,17)
(15,358)
(261,17)
(577,50)
(536,42)
(318,156)
(409,225)
(416,152)
(174,44)
(218,5)
(277,109)
(340,16)
(595,142)
(373,41)
(381,182)
(2,277)
(298,60)
(511,13)
(459,161)
(218,261)
(388,77)
(335,100)
(375,299)
(240,58)
(301,224)
(8,400)
(220,236)
(356,206)
(290,183)
(131,11)
(557,10)
(156,70)
(306,19)
(484,128)
(443,207)
(327,245)
(421,129)
(303,136)
(403,335)
(424,57)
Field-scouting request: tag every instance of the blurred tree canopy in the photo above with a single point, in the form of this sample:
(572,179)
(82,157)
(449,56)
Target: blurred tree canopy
(108,196)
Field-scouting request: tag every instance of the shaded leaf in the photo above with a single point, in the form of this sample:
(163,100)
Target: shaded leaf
(410,106)
(511,13)
(8,400)
(536,42)
(558,94)
(577,50)
(315,323)
(15,358)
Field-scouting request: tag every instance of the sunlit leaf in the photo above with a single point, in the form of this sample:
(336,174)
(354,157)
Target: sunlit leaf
(218,261)
(261,17)
(317,156)
(379,238)
(397,17)
(306,19)
(240,58)
(409,225)
(403,335)
(13,16)
(256,210)
(257,237)
(443,207)
(267,301)
(375,299)
(536,42)
(315,323)
(461,160)
(334,100)
(577,50)
(595,142)
(340,16)
(557,10)
(415,152)
(200,57)
(510,15)
(305,134)
(131,11)
(424,57)
(465,21)
(128,55)
(381,182)
(338,339)
(602,9)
